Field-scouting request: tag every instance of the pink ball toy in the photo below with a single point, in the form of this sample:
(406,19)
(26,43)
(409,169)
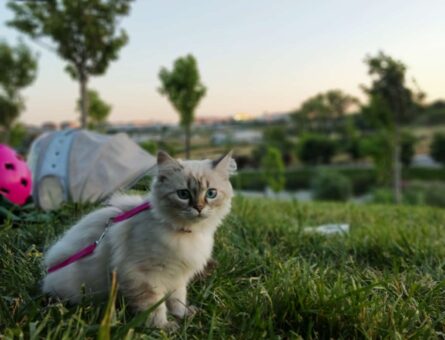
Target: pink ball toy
(15,176)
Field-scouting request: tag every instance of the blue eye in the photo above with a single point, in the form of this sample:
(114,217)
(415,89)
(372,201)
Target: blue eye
(183,194)
(211,193)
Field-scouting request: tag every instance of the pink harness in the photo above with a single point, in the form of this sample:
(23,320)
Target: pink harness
(88,250)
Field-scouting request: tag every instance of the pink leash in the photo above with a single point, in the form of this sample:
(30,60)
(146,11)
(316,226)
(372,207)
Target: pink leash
(88,250)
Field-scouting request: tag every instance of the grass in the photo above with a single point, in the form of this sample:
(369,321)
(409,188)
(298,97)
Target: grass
(386,278)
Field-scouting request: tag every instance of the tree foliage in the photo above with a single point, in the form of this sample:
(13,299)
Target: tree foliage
(184,89)
(321,112)
(316,149)
(391,104)
(84,33)
(98,109)
(18,69)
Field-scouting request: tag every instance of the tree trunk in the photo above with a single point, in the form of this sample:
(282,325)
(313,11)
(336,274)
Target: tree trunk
(397,168)
(83,102)
(187,141)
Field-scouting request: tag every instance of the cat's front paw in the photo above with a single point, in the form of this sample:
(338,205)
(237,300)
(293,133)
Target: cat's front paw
(191,311)
(170,326)
(182,311)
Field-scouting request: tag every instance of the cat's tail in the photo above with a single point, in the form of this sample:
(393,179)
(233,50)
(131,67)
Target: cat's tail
(86,231)
(89,228)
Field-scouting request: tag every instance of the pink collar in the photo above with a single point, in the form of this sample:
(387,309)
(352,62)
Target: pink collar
(88,250)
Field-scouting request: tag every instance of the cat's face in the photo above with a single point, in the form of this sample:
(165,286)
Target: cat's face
(193,191)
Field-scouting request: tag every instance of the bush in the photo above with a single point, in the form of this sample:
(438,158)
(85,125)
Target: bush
(149,146)
(316,149)
(331,186)
(415,193)
(382,196)
(362,179)
(273,168)
(438,148)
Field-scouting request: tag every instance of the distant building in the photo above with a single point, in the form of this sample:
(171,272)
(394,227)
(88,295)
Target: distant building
(237,137)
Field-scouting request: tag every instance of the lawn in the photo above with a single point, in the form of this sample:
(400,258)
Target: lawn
(386,278)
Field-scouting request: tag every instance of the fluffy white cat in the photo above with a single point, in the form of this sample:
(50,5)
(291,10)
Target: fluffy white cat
(156,252)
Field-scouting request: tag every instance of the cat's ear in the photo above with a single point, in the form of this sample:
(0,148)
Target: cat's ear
(225,165)
(165,161)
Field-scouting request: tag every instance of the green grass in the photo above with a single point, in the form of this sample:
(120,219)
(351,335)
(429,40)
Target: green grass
(386,278)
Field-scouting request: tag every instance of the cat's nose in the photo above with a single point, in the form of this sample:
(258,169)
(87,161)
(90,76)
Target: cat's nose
(199,208)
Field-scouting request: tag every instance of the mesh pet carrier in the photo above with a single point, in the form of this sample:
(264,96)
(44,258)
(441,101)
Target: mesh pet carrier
(83,166)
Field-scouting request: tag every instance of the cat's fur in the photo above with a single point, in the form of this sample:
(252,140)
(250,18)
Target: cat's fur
(156,252)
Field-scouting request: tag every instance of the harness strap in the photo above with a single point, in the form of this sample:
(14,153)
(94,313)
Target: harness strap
(88,250)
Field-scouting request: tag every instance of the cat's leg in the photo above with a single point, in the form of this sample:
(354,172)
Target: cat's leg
(142,296)
(177,303)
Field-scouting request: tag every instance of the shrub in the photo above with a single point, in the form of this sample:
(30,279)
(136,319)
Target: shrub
(331,186)
(438,148)
(362,179)
(316,149)
(415,193)
(382,196)
(149,146)
(273,166)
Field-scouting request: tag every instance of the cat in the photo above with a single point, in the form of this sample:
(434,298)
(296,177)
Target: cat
(156,252)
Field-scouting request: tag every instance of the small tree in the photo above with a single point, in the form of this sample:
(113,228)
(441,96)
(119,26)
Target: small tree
(183,88)
(278,137)
(391,104)
(98,110)
(18,68)
(273,167)
(85,34)
(438,148)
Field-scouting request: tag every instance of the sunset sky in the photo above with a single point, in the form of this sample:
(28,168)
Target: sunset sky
(254,56)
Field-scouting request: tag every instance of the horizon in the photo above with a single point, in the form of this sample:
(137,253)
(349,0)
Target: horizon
(253,59)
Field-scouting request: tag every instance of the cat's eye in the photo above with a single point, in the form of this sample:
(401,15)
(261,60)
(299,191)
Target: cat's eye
(183,194)
(211,193)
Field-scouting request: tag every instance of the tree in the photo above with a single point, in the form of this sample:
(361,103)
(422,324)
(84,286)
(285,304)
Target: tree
(18,68)
(85,34)
(183,88)
(98,109)
(321,112)
(273,168)
(391,104)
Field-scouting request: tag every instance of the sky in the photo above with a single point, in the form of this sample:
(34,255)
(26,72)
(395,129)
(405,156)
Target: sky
(254,56)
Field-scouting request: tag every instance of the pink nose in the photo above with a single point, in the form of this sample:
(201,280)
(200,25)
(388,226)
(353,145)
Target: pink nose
(199,208)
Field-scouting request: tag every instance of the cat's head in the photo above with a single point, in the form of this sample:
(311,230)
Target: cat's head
(190,192)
